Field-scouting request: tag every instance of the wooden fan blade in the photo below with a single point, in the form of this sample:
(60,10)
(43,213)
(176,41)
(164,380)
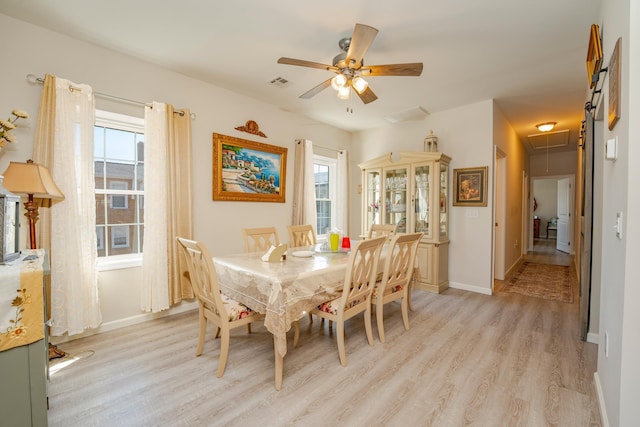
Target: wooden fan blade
(412,69)
(361,39)
(367,95)
(316,90)
(309,64)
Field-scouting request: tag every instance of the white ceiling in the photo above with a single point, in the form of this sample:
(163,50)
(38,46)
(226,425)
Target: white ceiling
(528,56)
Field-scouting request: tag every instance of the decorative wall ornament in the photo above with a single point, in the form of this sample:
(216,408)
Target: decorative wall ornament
(252,128)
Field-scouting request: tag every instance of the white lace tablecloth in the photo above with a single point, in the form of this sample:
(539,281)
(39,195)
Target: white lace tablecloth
(21,300)
(283,291)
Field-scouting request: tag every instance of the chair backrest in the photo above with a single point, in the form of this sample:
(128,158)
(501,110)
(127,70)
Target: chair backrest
(399,261)
(362,270)
(203,277)
(260,239)
(301,235)
(377,230)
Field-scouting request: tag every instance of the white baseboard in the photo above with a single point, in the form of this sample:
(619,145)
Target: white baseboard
(471,288)
(121,323)
(593,338)
(603,409)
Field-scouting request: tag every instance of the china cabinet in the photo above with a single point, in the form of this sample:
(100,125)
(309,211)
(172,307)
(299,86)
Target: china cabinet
(413,193)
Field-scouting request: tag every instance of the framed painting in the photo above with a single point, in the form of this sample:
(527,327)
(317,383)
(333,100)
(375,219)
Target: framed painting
(248,171)
(614,86)
(470,186)
(594,55)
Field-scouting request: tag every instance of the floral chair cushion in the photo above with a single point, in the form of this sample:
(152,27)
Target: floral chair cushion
(333,306)
(387,291)
(235,309)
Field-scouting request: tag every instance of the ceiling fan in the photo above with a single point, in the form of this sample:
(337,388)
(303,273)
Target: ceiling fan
(350,69)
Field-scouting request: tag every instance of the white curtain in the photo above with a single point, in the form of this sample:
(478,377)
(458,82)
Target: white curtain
(155,277)
(342,192)
(75,305)
(304,190)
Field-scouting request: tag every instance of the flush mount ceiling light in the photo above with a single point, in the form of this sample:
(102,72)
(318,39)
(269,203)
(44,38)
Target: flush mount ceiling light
(546,127)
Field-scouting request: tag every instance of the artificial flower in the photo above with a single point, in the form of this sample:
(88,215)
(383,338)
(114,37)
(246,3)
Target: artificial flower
(8,125)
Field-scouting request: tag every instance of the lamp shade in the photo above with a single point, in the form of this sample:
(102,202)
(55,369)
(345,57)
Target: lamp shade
(31,178)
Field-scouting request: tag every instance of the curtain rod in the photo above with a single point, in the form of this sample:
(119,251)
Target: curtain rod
(34,79)
(324,148)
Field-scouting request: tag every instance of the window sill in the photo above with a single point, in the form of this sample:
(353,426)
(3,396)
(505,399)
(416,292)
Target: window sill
(119,262)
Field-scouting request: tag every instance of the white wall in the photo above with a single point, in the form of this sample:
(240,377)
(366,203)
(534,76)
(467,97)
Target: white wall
(516,162)
(618,376)
(34,50)
(559,163)
(465,134)
(545,192)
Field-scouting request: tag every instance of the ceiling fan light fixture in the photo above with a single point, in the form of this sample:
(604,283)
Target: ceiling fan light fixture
(343,92)
(546,127)
(359,84)
(339,81)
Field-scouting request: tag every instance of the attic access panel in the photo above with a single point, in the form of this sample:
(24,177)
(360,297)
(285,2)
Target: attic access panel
(558,139)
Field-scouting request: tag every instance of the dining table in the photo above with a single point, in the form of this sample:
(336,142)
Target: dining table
(283,291)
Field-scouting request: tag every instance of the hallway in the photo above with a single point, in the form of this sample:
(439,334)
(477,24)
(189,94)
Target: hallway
(545,252)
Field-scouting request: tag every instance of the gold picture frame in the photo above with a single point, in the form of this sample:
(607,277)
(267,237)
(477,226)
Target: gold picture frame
(470,186)
(594,55)
(248,171)
(614,85)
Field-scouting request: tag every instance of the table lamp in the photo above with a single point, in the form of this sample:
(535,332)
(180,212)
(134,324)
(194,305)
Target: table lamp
(33,180)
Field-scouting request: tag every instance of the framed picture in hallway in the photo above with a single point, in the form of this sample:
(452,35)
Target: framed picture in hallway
(470,186)
(248,171)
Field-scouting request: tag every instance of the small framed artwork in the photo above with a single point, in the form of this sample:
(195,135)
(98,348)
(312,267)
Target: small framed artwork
(594,55)
(614,86)
(470,186)
(248,171)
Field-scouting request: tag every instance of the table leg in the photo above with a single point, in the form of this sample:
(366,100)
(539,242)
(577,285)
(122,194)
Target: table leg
(279,364)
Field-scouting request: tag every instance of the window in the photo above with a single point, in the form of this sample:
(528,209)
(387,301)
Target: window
(324,173)
(119,181)
(118,201)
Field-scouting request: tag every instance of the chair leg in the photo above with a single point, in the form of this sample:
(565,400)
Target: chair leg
(409,295)
(340,337)
(248,328)
(380,322)
(296,333)
(367,324)
(217,332)
(203,330)
(405,312)
(224,351)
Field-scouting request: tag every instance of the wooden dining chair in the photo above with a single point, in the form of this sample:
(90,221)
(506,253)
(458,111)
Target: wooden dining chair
(359,282)
(396,278)
(223,311)
(377,230)
(260,239)
(301,235)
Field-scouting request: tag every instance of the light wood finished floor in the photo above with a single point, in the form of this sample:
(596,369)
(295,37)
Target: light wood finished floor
(468,359)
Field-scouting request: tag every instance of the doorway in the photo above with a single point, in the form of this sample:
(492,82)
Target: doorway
(553,200)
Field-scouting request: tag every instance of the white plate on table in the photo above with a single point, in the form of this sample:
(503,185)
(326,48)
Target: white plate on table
(302,254)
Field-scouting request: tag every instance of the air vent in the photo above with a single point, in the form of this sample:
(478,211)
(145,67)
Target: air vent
(540,141)
(280,82)
(415,113)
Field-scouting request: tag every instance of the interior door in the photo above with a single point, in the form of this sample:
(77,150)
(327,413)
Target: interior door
(565,228)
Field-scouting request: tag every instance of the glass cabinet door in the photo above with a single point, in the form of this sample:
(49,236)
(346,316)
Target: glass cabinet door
(373,198)
(421,199)
(444,190)
(395,198)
